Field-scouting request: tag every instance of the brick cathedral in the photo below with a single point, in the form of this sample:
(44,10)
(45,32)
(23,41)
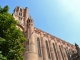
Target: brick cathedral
(40,45)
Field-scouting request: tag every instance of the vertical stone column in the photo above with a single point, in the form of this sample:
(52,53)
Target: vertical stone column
(44,50)
(32,53)
(25,18)
(58,50)
(64,54)
(53,56)
(60,53)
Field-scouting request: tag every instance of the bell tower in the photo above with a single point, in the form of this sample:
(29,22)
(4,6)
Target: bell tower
(21,15)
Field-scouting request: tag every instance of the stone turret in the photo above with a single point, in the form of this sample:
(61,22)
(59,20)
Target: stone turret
(31,53)
(26,17)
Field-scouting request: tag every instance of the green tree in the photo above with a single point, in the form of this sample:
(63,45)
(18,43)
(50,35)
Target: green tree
(11,38)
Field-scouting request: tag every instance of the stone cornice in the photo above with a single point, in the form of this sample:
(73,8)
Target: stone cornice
(45,34)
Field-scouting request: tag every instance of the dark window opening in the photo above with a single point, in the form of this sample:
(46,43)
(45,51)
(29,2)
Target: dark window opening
(20,18)
(61,52)
(17,9)
(47,49)
(73,52)
(20,10)
(20,14)
(38,44)
(67,53)
(29,20)
(55,51)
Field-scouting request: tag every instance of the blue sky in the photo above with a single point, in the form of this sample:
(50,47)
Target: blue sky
(60,18)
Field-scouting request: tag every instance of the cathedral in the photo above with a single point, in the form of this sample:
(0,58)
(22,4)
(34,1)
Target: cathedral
(40,45)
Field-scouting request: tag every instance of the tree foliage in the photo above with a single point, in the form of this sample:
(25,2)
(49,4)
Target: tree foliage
(11,38)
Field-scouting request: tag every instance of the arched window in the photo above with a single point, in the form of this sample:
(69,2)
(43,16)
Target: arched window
(67,53)
(17,9)
(61,52)
(28,21)
(20,14)
(20,10)
(47,49)
(55,51)
(38,44)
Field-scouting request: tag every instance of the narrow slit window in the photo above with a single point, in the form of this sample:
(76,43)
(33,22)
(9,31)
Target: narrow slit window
(20,10)
(61,52)
(47,49)
(67,53)
(38,44)
(55,51)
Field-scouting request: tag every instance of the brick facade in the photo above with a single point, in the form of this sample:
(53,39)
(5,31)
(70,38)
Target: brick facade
(40,45)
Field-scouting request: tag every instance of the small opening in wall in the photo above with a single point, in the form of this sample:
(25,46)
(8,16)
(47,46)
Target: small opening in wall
(20,10)
(19,13)
(29,20)
(38,45)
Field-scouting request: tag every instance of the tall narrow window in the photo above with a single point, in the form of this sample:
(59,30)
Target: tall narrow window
(38,44)
(67,53)
(47,49)
(55,51)
(21,14)
(61,52)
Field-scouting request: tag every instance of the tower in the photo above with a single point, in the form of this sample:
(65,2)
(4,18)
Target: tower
(21,15)
(31,52)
